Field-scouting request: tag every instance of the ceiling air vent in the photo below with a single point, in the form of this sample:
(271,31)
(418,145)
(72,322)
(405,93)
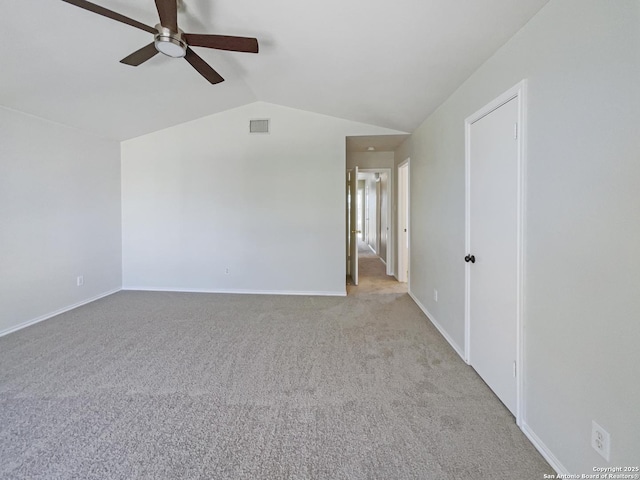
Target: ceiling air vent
(259,126)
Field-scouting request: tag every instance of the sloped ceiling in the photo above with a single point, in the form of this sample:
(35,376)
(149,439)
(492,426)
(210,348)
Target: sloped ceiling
(383,63)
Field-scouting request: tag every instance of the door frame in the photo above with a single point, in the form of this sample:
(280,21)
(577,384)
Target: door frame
(351,204)
(519,92)
(404,164)
(389,172)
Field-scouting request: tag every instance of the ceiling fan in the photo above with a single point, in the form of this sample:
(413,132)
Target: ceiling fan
(172,41)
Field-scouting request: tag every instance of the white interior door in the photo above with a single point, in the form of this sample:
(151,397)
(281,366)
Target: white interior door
(403,223)
(493,257)
(353,233)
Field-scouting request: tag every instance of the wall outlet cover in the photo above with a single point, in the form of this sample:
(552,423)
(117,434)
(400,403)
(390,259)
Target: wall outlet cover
(600,440)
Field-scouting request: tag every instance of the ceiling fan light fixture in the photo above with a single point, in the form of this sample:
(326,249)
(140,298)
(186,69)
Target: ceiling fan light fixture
(169,43)
(170,47)
(169,40)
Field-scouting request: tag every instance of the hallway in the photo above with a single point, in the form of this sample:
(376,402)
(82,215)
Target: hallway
(372,277)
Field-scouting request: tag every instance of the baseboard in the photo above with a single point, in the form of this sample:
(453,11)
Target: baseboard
(239,291)
(435,323)
(544,450)
(530,434)
(55,313)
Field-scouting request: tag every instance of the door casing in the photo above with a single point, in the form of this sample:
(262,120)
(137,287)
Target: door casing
(519,92)
(352,223)
(403,222)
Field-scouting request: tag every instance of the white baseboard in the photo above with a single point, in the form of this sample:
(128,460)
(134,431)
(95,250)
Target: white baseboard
(240,291)
(544,450)
(47,316)
(435,323)
(530,434)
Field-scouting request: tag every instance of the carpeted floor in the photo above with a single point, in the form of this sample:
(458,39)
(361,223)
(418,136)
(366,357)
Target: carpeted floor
(372,275)
(209,386)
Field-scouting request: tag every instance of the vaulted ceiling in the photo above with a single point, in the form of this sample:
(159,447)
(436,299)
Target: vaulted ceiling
(378,62)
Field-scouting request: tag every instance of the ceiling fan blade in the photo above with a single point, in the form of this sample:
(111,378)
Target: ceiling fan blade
(168,12)
(203,67)
(92,7)
(222,42)
(140,56)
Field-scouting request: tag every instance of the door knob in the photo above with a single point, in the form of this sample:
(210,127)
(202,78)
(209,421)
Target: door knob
(470,258)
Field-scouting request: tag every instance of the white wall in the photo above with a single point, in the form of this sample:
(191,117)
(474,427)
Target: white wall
(370,160)
(205,196)
(59,217)
(581,59)
(372,212)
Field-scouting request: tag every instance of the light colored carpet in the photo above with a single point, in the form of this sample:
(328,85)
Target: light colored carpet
(207,386)
(372,275)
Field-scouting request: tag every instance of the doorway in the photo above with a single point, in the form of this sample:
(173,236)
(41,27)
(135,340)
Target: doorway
(370,245)
(374,192)
(375,222)
(494,250)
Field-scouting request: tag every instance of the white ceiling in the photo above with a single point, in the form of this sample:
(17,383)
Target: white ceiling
(378,62)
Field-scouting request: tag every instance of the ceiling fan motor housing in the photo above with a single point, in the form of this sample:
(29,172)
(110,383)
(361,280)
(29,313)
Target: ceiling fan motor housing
(170,43)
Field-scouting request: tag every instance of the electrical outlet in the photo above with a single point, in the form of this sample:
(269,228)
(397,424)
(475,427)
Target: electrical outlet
(80,281)
(600,440)
(226,271)
(435,294)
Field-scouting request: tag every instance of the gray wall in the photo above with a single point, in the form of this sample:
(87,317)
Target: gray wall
(581,59)
(372,214)
(205,196)
(370,160)
(361,211)
(59,217)
(383,214)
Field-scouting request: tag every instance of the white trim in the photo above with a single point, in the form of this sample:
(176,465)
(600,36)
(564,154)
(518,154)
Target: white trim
(526,429)
(47,316)
(523,135)
(409,227)
(440,328)
(518,91)
(319,293)
(544,450)
(389,172)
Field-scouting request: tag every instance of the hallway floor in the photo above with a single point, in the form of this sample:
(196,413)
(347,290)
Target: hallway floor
(372,276)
